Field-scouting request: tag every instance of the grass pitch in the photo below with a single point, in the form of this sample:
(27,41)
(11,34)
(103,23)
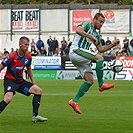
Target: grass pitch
(102,112)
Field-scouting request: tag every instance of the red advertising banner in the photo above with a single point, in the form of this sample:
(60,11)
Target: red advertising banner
(78,16)
(127,61)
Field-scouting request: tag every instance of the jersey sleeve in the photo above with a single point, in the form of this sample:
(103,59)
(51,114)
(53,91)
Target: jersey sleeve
(29,62)
(29,59)
(6,61)
(85,25)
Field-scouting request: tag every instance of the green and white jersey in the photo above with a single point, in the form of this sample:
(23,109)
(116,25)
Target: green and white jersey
(83,42)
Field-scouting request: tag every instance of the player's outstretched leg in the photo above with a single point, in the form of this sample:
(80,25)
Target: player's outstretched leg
(99,70)
(105,86)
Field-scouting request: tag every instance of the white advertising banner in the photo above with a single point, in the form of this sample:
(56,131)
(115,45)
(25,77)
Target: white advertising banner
(47,63)
(116,21)
(125,74)
(25,20)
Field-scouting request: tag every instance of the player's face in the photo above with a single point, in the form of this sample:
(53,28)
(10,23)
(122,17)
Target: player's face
(24,45)
(98,23)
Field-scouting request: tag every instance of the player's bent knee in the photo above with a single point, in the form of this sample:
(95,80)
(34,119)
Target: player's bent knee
(35,90)
(39,91)
(98,56)
(8,97)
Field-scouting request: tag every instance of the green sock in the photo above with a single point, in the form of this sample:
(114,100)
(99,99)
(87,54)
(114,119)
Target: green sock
(82,90)
(99,71)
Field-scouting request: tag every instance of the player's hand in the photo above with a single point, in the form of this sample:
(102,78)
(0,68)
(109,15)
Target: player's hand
(116,42)
(95,41)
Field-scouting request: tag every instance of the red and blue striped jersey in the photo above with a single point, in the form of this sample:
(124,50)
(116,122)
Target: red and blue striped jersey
(15,65)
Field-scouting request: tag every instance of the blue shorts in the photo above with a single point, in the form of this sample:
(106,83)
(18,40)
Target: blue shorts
(15,86)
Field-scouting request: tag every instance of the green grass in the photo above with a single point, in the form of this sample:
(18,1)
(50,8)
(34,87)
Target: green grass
(107,112)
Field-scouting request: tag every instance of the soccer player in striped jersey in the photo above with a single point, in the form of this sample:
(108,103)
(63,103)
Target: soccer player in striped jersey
(14,81)
(81,56)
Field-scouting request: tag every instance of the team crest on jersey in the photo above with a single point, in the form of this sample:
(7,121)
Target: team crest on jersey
(9,88)
(88,39)
(26,61)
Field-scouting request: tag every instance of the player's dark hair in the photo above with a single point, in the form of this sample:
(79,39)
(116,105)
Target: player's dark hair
(97,15)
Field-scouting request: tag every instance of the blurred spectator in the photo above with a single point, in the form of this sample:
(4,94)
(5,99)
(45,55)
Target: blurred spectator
(5,52)
(118,54)
(123,50)
(124,54)
(39,53)
(43,51)
(117,46)
(1,55)
(49,42)
(39,44)
(65,51)
(12,50)
(63,43)
(118,51)
(114,39)
(131,44)
(69,43)
(102,40)
(57,52)
(108,42)
(126,45)
(32,44)
(33,51)
(125,42)
(55,45)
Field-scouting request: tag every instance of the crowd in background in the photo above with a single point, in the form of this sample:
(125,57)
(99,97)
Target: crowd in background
(55,48)
(123,49)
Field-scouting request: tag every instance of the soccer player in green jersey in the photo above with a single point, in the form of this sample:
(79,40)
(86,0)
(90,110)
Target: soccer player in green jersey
(81,56)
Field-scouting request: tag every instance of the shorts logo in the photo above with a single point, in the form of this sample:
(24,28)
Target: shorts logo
(9,88)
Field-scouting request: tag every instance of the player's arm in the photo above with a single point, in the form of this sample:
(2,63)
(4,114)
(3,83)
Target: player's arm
(80,30)
(29,71)
(1,67)
(107,47)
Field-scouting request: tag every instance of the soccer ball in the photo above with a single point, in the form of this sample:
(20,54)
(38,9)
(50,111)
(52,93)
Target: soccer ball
(116,65)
